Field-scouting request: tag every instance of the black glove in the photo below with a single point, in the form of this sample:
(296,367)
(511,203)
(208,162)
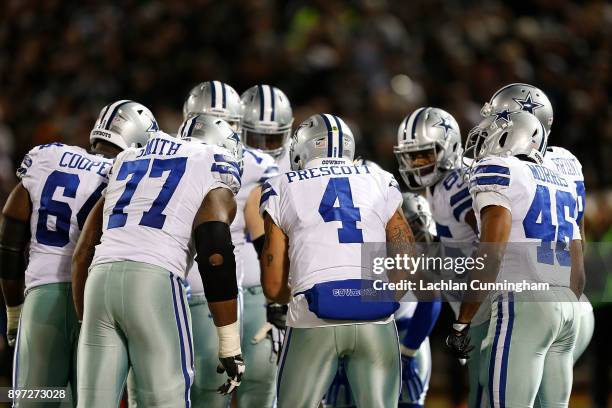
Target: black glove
(234,366)
(458,341)
(277,315)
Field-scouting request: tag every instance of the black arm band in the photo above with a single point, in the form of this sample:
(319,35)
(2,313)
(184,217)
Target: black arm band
(212,239)
(14,237)
(258,244)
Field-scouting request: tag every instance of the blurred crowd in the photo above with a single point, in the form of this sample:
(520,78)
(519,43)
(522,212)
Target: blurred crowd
(371,61)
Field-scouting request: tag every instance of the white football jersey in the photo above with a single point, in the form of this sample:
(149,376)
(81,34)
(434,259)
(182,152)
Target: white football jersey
(257,168)
(284,160)
(450,201)
(564,162)
(544,207)
(326,213)
(153,195)
(64,183)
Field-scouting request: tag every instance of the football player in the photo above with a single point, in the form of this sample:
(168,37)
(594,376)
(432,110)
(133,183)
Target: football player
(518,96)
(429,157)
(258,354)
(414,321)
(316,219)
(59,185)
(517,200)
(163,201)
(267,121)
(257,388)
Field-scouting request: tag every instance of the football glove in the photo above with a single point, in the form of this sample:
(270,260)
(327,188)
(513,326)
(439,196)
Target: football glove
(234,367)
(458,341)
(277,315)
(12,323)
(276,336)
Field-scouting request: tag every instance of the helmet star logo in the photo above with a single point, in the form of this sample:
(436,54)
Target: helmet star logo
(444,125)
(153,127)
(528,104)
(504,115)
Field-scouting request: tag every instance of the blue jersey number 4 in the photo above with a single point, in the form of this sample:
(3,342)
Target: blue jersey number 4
(538,224)
(346,212)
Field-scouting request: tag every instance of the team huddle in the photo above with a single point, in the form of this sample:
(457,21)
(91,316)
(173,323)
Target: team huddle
(198,266)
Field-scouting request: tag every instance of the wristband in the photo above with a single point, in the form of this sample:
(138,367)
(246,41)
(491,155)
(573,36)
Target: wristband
(12,316)
(229,340)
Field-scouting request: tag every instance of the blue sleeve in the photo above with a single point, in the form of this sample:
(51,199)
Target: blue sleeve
(422,323)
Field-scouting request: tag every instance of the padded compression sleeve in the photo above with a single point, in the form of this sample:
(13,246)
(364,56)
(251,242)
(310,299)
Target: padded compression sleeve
(14,237)
(216,261)
(422,323)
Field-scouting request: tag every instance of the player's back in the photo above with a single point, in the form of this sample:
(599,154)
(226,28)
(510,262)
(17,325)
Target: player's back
(543,204)
(153,195)
(64,183)
(327,212)
(563,161)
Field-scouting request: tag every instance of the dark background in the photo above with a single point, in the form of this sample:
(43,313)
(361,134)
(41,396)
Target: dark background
(371,62)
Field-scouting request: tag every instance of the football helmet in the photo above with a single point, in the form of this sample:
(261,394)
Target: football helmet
(322,136)
(267,119)
(515,97)
(210,130)
(125,124)
(522,135)
(417,212)
(216,99)
(428,145)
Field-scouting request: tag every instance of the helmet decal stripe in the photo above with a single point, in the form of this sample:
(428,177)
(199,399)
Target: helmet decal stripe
(224,97)
(329,135)
(213,94)
(261,102)
(191,126)
(114,112)
(340,136)
(415,121)
(272,100)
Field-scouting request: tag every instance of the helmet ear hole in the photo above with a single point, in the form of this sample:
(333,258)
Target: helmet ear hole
(455,147)
(502,139)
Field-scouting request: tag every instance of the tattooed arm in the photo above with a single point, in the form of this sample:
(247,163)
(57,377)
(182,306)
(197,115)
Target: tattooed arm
(275,263)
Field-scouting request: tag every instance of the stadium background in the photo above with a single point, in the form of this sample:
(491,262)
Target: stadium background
(371,62)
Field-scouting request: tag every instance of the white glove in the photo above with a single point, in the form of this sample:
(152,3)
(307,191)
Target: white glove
(12,323)
(277,336)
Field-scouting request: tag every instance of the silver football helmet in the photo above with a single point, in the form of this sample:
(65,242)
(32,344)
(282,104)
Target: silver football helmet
(515,97)
(216,99)
(267,119)
(428,145)
(125,124)
(417,213)
(522,135)
(214,131)
(321,136)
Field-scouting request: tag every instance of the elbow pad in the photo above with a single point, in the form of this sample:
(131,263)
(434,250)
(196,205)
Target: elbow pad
(216,261)
(14,237)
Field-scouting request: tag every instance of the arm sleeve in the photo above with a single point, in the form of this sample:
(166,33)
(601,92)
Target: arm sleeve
(490,183)
(270,200)
(422,323)
(225,171)
(27,170)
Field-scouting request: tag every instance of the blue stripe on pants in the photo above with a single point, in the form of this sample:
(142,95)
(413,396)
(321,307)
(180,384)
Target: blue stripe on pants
(494,349)
(504,369)
(180,332)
